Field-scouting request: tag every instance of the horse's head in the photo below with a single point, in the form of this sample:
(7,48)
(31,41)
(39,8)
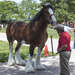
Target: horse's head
(48,12)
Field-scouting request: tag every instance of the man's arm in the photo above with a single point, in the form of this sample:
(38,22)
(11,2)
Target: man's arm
(69,29)
(62,49)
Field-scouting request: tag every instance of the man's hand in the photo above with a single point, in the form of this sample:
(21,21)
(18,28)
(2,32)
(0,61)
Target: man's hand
(63,48)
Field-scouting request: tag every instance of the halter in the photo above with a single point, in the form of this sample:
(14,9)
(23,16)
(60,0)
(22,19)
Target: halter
(51,15)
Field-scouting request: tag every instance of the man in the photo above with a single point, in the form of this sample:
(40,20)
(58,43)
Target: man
(64,49)
(66,28)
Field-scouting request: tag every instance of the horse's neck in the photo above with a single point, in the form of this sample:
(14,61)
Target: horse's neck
(41,22)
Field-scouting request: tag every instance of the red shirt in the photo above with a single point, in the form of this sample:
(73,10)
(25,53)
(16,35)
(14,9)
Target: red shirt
(64,39)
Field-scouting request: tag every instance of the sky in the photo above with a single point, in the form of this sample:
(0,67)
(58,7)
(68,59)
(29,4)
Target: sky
(19,1)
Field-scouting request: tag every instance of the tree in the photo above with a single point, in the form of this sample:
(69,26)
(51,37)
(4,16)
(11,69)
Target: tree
(29,8)
(7,9)
(63,9)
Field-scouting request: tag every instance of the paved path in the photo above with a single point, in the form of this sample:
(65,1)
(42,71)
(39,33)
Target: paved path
(3,37)
(51,63)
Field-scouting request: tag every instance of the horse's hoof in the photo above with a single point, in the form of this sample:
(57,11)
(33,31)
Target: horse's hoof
(29,70)
(11,63)
(22,62)
(39,67)
(29,67)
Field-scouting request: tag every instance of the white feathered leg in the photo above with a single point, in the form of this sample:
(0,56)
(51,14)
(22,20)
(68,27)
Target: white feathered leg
(29,67)
(18,58)
(11,60)
(37,64)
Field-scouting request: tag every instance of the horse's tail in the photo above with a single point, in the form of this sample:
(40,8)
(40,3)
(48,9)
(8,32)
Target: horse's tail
(9,27)
(8,31)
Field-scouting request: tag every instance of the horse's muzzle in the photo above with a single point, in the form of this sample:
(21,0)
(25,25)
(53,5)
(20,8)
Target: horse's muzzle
(53,20)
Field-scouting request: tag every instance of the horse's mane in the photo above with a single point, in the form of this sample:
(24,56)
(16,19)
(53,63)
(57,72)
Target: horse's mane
(36,17)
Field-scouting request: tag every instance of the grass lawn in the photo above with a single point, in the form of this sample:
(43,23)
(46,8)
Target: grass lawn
(3,30)
(4,51)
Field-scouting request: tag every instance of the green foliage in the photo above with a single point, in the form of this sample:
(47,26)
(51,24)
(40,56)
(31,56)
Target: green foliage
(52,32)
(29,8)
(71,6)
(64,10)
(7,9)
(3,30)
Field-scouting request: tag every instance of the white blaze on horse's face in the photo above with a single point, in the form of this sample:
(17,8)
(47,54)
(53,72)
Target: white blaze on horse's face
(52,15)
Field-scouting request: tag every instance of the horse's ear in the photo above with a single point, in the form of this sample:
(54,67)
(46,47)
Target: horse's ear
(43,5)
(46,5)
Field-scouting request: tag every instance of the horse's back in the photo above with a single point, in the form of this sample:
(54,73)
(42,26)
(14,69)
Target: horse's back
(15,30)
